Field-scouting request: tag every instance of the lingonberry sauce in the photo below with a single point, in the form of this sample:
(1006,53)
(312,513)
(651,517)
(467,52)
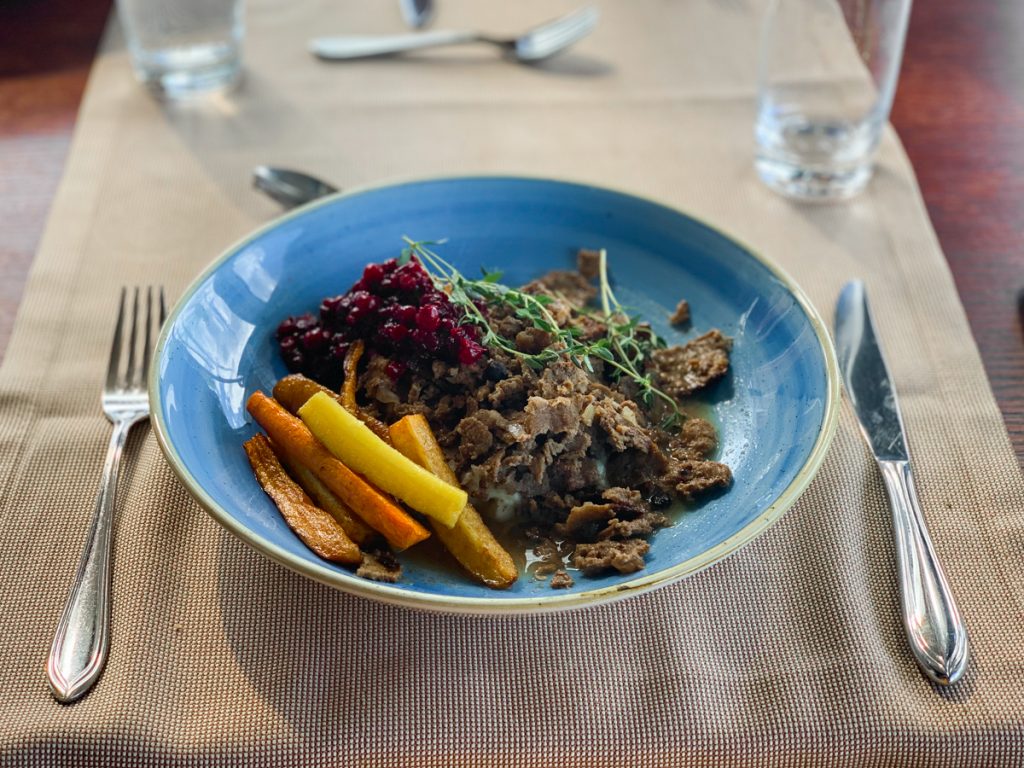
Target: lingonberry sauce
(398,313)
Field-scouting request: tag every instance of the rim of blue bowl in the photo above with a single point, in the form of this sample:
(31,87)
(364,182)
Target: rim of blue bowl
(486,605)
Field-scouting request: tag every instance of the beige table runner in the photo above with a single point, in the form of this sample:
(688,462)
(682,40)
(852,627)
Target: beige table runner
(789,652)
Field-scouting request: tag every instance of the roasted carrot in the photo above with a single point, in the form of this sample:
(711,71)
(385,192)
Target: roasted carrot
(469,540)
(327,500)
(317,528)
(295,389)
(294,438)
(352,441)
(351,367)
(348,392)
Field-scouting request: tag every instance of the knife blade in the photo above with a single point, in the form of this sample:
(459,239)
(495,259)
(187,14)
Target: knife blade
(931,618)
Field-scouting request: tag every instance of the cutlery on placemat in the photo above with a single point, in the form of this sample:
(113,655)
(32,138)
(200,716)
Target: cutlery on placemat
(536,44)
(79,648)
(933,623)
(289,188)
(417,13)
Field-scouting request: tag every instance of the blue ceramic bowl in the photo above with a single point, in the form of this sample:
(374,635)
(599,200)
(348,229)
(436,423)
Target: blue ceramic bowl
(776,410)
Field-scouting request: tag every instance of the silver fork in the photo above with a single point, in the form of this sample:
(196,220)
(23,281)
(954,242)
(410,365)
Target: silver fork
(535,44)
(79,648)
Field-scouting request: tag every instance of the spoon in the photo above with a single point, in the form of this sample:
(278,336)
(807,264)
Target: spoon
(533,45)
(289,188)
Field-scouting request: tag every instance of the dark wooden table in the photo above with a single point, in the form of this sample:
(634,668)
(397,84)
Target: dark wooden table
(959,110)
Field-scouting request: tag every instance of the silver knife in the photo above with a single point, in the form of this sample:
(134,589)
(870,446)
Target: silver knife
(932,620)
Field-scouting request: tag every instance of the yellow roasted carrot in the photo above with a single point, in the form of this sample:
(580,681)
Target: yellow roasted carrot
(353,442)
(318,529)
(293,437)
(469,540)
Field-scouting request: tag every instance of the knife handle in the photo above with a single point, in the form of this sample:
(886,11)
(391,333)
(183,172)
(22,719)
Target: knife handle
(935,629)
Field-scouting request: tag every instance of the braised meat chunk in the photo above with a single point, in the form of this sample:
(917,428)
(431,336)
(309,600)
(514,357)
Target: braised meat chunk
(623,556)
(380,565)
(571,286)
(681,315)
(681,371)
(588,263)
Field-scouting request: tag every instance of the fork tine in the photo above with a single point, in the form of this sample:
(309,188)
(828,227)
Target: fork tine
(115,346)
(147,347)
(129,376)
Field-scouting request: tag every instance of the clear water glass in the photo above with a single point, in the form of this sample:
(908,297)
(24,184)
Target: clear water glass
(826,80)
(184,47)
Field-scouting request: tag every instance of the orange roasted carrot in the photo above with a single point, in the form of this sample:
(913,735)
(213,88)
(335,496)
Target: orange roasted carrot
(294,438)
(469,541)
(348,392)
(317,528)
(328,501)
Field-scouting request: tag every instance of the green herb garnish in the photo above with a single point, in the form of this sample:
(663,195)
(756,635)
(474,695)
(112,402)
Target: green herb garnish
(625,347)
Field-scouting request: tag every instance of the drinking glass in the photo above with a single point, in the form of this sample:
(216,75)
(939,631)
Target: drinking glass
(184,47)
(826,79)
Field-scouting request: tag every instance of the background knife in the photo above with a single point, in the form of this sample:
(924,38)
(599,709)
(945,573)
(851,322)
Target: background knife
(932,620)
(417,13)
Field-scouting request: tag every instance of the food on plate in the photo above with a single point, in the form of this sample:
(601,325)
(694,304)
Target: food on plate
(588,263)
(545,419)
(467,538)
(318,530)
(355,444)
(380,565)
(681,371)
(348,392)
(469,541)
(681,315)
(376,509)
(426,325)
(324,498)
(293,391)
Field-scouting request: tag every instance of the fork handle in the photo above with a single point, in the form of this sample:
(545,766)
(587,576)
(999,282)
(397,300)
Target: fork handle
(363,46)
(934,626)
(79,648)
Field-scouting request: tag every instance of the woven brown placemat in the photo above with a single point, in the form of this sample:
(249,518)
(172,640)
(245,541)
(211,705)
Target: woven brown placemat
(789,652)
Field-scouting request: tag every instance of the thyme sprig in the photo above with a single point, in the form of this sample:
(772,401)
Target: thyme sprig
(624,348)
